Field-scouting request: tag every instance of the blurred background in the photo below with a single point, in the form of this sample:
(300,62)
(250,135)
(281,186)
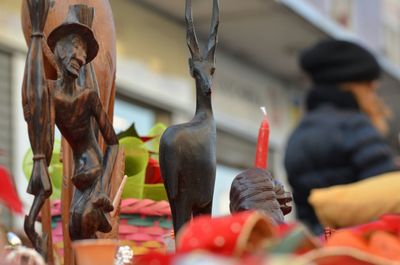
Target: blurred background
(259,41)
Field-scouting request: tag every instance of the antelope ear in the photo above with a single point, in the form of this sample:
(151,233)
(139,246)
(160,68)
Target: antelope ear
(213,36)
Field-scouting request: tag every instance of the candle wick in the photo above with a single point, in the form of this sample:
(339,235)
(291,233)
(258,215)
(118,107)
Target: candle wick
(264,110)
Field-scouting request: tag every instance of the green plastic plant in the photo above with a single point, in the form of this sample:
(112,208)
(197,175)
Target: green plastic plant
(137,155)
(154,144)
(136,159)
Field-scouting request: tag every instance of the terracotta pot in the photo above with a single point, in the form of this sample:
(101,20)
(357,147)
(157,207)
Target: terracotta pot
(95,251)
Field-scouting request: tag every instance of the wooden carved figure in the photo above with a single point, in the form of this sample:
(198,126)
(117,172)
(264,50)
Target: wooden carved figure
(77,111)
(74,45)
(103,25)
(38,116)
(187,151)
(99,73)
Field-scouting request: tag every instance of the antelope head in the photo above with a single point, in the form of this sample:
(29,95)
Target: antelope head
(202,62)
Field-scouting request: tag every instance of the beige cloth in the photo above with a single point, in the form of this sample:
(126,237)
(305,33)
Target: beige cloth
(357,203)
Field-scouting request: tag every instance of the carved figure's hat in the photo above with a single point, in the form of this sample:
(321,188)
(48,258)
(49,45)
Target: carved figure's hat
(78,21)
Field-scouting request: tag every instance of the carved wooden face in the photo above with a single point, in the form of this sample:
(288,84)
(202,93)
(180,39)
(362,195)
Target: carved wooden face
(202,63)
(71,54)
(203,72)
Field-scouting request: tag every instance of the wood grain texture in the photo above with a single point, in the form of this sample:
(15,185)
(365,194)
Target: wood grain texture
(104,29)
(36,104)
(117,176)
(64,87)
(187,151)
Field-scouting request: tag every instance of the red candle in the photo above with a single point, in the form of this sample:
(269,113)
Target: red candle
(262,143)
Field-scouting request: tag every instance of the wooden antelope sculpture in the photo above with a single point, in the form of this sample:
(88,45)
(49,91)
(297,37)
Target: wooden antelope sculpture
(187,151)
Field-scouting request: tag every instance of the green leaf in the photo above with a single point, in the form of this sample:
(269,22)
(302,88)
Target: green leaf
(132,189)
(136,155)
(155,192)
(136,159)
(154,144)
(131,131)
(27,163)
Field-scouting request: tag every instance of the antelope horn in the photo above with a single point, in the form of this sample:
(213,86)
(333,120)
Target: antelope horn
(213,37)
(190,31)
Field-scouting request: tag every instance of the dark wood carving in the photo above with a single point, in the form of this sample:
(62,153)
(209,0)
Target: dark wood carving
(76,109)
(187,151)
(104,64)
(102,68)
(283,196)
(38,116)
(74,45)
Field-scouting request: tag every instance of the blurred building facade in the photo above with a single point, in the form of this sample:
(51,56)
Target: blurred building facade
(377,23)
(256,66)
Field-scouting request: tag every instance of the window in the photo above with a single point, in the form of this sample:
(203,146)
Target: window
(127,112)
(223,181)
(341,12)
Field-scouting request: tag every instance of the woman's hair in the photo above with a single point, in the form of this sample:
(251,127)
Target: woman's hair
(371,104)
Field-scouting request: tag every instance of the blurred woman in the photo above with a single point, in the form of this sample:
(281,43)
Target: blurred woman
(339,140)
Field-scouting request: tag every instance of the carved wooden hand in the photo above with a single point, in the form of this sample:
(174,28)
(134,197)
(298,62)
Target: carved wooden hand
(38,115)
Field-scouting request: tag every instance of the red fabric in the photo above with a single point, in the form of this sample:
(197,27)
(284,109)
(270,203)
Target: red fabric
(218,235)
(8,193)
(388,222)
(146,138)
(380,238)
(341,259)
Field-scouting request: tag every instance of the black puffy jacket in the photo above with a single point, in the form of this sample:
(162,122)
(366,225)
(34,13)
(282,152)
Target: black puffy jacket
(331,147)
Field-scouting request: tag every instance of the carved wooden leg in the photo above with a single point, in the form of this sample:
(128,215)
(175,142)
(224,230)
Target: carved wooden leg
(29,225)
(90,212)
(116,179)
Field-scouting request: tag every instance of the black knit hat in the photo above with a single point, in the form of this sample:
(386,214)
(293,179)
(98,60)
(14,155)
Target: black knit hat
(338,61)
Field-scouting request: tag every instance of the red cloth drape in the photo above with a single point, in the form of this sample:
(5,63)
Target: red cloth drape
(8,194)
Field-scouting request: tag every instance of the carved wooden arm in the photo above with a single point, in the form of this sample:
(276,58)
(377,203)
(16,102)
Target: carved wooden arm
(38,115)
(111,140)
